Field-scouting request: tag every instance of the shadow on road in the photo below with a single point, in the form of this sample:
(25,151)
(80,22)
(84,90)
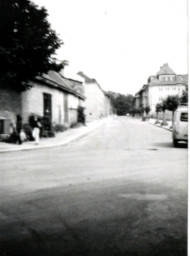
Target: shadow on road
(143,224)
(91,244)
(169,145)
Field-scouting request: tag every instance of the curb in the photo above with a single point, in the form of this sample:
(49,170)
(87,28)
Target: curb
(159,126)
(65,142)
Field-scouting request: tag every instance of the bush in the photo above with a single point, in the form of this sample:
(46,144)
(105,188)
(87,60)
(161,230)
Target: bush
(5,138)
(51,133)
(60,128)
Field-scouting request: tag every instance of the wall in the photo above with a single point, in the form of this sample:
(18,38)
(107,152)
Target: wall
(73,103)
(168,115)
(160,92)
(10,104)
(91,111)
(95,102)
(32,102)
(107,107)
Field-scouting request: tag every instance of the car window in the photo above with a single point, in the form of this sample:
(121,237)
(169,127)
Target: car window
(184,117)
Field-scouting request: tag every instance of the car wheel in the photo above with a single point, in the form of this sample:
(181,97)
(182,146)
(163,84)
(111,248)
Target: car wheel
(175,143)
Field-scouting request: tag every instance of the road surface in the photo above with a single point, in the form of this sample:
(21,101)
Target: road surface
(121,190)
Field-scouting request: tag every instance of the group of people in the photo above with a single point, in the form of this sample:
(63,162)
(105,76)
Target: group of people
(17,134)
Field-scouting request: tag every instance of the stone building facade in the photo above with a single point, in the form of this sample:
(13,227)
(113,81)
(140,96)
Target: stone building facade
(165,83)
(50,96)
(97,104)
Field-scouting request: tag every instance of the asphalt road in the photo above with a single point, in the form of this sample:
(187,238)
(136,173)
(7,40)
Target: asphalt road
(121,190)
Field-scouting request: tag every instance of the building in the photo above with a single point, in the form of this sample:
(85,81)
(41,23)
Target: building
(165,83)
(51,95)
(97,104)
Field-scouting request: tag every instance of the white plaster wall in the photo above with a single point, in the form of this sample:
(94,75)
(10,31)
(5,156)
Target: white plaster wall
(91,111)
(73,101)
(32,102)
(158,93)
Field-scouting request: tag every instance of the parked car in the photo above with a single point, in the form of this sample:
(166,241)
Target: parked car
(180,125)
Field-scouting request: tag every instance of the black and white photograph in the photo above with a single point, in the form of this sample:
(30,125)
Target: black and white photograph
(94,127)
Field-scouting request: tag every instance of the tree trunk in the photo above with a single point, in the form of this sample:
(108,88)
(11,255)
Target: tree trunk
(172,119)
(157,121)
(164,123)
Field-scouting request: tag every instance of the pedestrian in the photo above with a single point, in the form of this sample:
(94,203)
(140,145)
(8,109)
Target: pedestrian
(19,129)
(36,129)
(13,133)
(22,136)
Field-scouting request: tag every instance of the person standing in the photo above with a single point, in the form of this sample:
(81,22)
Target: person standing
(36,130)
(19,128)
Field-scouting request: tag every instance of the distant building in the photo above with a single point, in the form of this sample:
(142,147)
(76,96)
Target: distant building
(97,104)
(51,96)
(165,83)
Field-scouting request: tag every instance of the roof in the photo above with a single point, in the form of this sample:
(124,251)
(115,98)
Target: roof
(86,78)
(89,80)
(165,70)
(55,77)
(55,80)
(182,79)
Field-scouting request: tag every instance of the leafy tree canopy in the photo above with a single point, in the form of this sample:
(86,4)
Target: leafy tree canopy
(158,107)
(121,103)
(172,102)
(27,43)
(184,97)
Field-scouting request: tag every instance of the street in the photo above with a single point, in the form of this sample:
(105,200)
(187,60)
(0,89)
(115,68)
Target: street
(120,190)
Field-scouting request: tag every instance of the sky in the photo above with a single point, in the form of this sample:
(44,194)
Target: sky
(120,43)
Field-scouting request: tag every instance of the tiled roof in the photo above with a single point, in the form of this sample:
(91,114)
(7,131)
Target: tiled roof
(165,70)
(86,78)
(89,80)
(54,79)
(182,79)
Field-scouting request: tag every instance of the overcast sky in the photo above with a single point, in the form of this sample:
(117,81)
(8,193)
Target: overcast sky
(120,43)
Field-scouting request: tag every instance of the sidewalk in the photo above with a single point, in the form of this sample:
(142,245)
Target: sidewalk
(61,138)
(167,127)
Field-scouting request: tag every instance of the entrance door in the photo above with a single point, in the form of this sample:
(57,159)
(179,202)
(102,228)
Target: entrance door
(48,106)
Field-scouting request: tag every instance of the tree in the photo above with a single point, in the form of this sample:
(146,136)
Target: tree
(27,43)
(147,110)
(184,97)
(158,109)
(164,113)
(172,102)
(121,103)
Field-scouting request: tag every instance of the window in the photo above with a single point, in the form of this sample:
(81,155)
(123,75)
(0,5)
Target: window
(5,126)
(184,117)
(1,126)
